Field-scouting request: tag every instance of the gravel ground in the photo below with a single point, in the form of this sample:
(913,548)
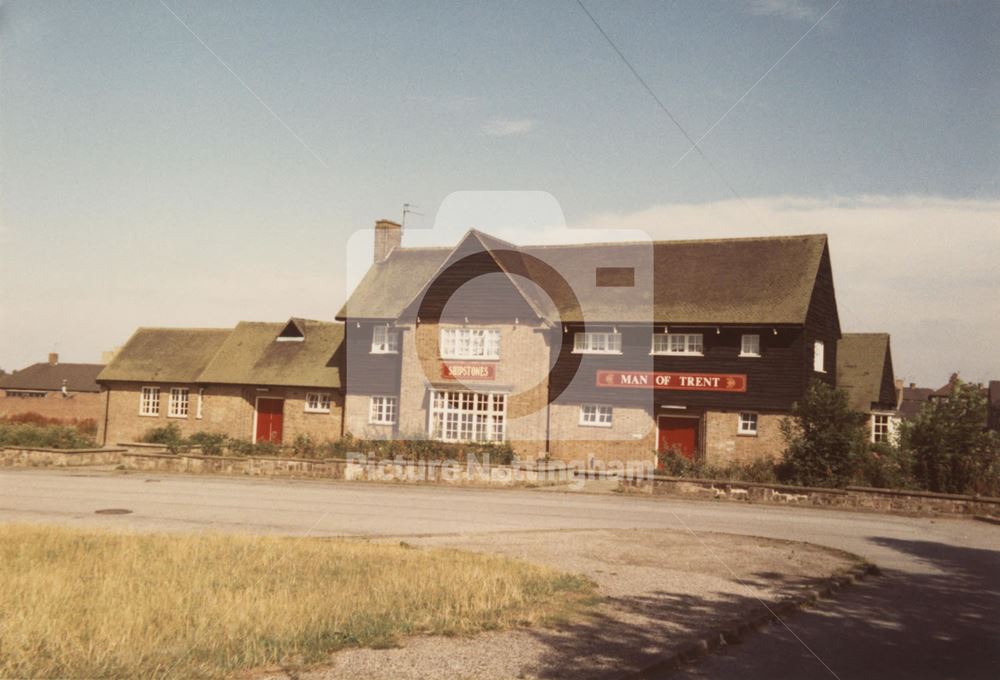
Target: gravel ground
(660,589)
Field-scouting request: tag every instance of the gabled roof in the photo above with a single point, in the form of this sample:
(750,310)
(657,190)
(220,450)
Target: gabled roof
(766,280)
(52,377)
(251,355)
(864,370)
(165,355)
(913,400)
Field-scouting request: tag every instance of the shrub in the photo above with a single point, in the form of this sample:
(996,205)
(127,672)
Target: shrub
(824,438)
(886,466)
(304,446)
(952,451)
(168,435)
(86,426)
(212,444)
(43,436)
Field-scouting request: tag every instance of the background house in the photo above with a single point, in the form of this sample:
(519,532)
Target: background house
(864,372)
(54,390)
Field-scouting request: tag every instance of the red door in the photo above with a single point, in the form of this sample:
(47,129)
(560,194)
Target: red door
(678,433)
(269,419)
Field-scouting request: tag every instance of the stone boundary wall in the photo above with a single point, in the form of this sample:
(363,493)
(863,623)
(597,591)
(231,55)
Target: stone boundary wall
(347,469)
(852,497)
(35,457)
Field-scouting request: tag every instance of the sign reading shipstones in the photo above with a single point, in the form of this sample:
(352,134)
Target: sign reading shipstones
(468,371)
(697,382)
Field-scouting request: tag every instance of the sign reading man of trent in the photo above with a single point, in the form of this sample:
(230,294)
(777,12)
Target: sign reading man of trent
(705,382)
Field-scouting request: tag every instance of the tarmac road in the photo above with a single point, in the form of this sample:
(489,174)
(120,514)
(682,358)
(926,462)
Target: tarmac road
(935,612)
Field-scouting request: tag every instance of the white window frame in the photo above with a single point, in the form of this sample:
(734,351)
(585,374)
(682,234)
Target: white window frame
(199,411)
(466,416)
(179,404)
(317,402)
(886,435)
(149,402)
(753,341)
(749,422)
(383,409)
(470,343)
(384,340)
(597,342)
(819,356)
(596,415)
(678,344)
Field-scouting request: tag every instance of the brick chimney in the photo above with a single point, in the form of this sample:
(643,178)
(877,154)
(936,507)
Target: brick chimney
(53,358)
(388,235)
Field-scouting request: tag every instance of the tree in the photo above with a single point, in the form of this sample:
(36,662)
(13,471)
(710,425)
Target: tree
(825,439)
(952,450)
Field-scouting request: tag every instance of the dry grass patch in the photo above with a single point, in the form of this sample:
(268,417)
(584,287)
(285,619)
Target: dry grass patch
(96,604)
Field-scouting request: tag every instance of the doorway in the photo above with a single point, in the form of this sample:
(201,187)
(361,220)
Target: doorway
(268,420)
(679,433)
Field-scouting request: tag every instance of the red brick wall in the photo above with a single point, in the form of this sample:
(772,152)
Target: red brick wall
(76,406)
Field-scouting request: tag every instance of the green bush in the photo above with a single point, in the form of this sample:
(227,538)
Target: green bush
(43,436)
(169,435)
(885,466)
(211,443)
(952,450)
(825,439)
(672,464)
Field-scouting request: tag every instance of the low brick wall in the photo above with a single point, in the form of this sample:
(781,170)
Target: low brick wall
(347,469)
(34,457)
(857,498)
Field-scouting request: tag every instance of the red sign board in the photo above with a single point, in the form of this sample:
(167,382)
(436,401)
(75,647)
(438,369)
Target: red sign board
(698,382)
(468,371)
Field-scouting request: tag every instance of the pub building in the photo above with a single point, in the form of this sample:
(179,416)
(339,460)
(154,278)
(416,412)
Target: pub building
(600,351)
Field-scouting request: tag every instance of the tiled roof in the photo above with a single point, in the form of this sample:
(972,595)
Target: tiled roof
(747,280)
(862,362)
(51,377)
(165,355)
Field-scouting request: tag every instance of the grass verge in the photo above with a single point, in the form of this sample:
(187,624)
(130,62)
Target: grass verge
(96,604)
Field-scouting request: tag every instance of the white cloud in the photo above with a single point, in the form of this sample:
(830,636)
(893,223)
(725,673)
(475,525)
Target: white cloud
(788,9)
(921,268)
(506,127)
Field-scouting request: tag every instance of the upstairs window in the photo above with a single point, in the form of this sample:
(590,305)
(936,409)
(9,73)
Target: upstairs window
(880,428)
(750,346)
(598,415)
(818,358)
(384,340)
(748,423)
(597,343)
(178,406)
(678,343)
(149,401)
(317,402)
(470,343)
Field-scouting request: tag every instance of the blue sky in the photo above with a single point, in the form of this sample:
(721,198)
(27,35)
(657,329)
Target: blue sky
(144,183)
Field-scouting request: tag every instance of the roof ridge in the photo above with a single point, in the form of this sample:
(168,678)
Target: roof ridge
(728,239)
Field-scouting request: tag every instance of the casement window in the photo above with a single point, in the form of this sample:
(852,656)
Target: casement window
(317,402)
(597,343)
(881,428)
(748,423)
(178,405)
(818,356)
(597,415)
(458,416)
(470,343)
(678,343)
(25,394)
(384,340)
(382,410)
(750,345)
(201,402)
(149,401)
